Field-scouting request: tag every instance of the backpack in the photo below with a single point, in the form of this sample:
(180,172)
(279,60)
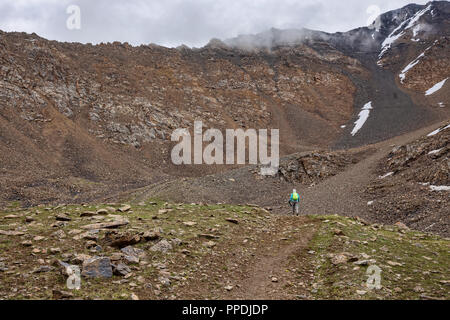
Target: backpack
(295,196)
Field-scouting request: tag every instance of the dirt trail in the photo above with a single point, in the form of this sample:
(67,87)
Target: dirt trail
(268,269)
(341,194)
(268,276)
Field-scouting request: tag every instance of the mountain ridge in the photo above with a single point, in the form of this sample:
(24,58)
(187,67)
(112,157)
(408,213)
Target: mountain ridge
(116,104)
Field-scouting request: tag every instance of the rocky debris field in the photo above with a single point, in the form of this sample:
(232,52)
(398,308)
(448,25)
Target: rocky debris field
(160,250)
(312,167)
(413,184)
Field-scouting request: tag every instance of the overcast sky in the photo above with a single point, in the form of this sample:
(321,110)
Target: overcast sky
(191,22)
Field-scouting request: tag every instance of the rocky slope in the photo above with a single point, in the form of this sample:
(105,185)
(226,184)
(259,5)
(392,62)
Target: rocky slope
(405,179)
(414,184)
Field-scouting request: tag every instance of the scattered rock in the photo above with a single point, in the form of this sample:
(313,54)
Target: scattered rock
(134,297)
(235,221)
(59,234)
(342,258)
(401,225)
(393,263)
(97,267)
(131,251)
(87,214)
(426,297)
(58,294)
(185,252)
(162,246)
(418,289)
(361,292)
(121,240)
(164,281)
(121,269)
(55,250)
(10,216)
(361,262)
(150,235)
(125,208)
(116,256)
(59,224)
(42,269)
(106,225)
(27,243)
(80,258)
(209,244)
(176,242)
(11,233)
(131,259)
(62,217)
(208,236)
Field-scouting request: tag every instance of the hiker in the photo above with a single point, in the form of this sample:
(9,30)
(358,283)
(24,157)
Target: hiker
(293,201)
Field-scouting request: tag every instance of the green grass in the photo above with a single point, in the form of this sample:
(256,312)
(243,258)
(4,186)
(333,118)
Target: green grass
(208,219)
(398,282)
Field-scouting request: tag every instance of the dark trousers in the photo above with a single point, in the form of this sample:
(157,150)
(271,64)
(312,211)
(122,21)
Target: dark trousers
(294,205)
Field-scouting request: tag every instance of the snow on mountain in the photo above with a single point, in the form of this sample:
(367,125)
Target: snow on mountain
(362,117)
(402,74)
(437,131)
(400,31)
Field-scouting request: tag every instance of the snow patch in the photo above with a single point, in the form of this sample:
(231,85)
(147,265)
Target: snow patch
(440,188)
(363,115)
(343,126)
(416,30)
(435,151)
(435,88)
(402,74)
(438,130)
(386,175)
(399,32)
(417,16)
(369,203)
(385,46)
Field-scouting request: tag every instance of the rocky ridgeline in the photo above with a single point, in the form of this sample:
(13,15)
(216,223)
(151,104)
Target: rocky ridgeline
(413,184)
(313,167)
(133,95)
(423,161)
